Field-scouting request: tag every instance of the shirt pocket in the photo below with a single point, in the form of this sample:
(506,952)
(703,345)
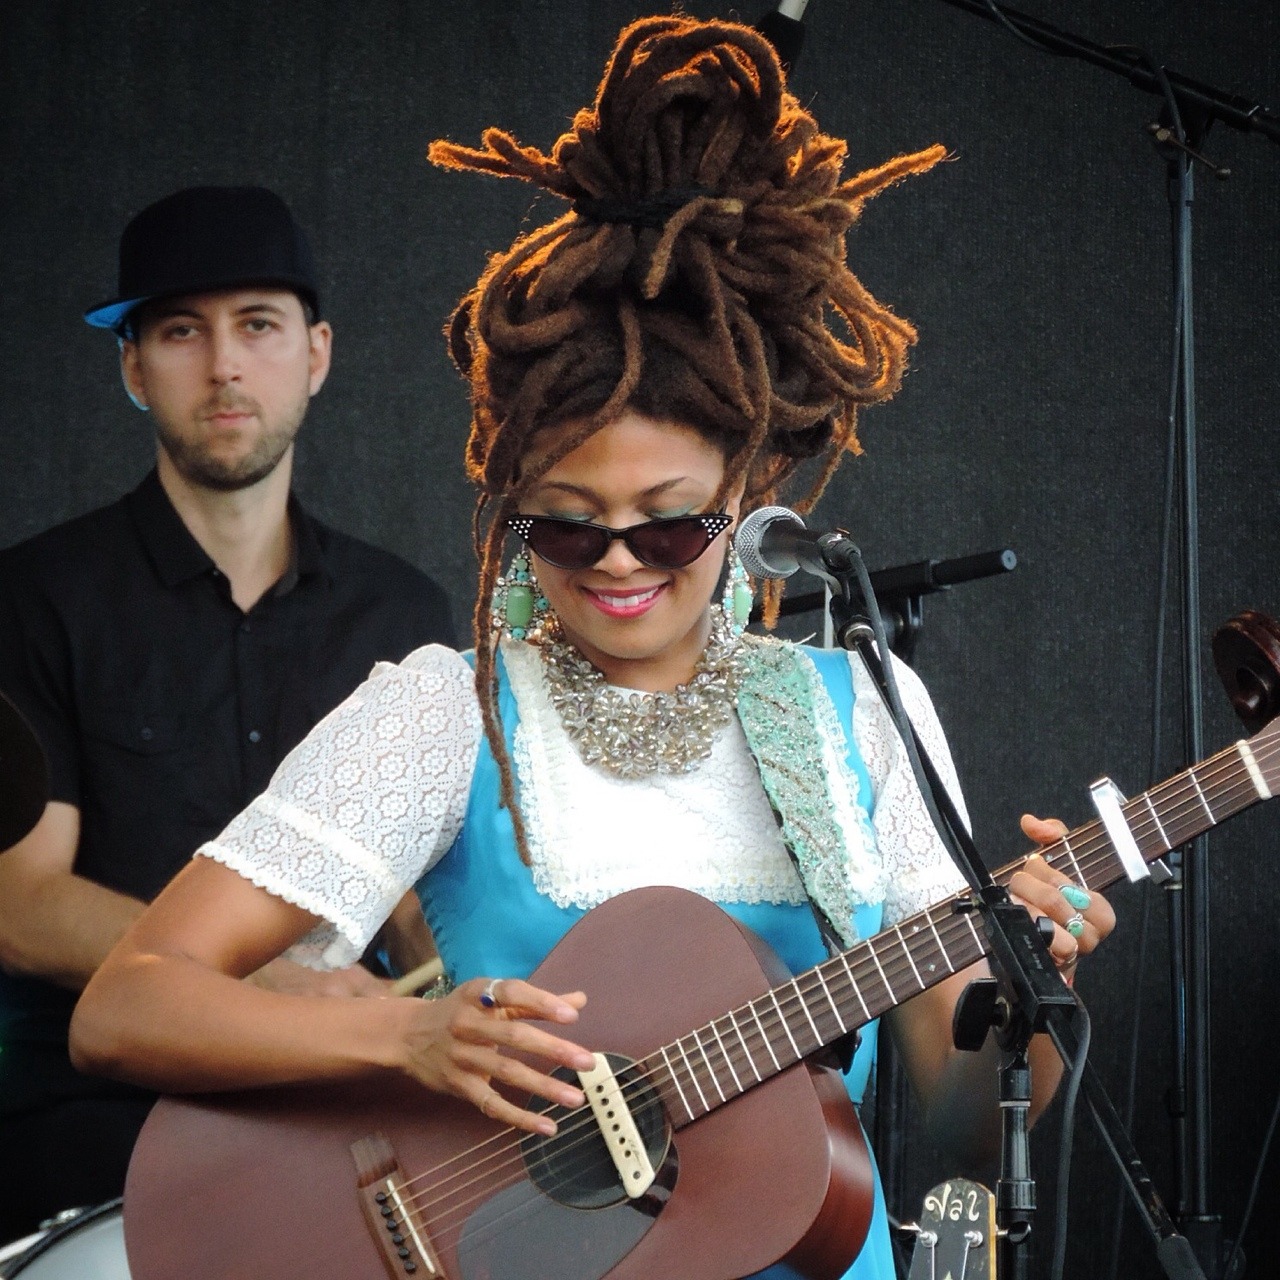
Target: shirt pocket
(156,764)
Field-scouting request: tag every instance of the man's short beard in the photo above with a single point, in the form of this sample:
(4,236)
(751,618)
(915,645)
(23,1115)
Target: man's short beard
(208,471)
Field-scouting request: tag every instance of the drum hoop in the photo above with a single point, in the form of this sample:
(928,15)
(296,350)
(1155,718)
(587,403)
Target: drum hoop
(15,1266)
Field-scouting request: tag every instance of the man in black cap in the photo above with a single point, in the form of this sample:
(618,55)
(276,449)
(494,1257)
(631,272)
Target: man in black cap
(169,649)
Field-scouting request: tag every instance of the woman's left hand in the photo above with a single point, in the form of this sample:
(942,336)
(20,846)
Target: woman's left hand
(1082,918)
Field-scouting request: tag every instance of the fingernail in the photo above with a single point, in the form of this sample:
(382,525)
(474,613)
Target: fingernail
(1076,896)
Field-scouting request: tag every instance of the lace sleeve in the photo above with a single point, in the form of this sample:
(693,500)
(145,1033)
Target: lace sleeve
(918,868)
(364,804)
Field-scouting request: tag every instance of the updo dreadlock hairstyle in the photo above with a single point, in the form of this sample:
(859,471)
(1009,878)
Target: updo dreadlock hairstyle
(691,280)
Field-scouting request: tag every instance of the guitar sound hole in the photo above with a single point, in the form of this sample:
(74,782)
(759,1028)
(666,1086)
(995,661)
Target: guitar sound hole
(574,1167)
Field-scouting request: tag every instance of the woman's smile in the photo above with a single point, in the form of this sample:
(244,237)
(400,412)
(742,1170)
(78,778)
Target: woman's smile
(624,602)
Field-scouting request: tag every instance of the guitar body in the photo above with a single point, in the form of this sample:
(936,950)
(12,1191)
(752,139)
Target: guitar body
(244,1186)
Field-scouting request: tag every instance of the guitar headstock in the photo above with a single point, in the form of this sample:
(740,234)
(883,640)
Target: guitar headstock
(956,1238)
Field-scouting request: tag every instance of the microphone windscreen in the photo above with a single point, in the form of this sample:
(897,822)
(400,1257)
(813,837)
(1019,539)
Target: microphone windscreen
(749,541)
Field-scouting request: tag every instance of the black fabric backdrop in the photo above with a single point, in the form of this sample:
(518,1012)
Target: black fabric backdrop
(1036,266)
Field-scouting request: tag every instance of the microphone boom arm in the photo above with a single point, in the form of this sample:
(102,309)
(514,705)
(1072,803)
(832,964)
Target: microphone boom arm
(1231,109)
(901,591)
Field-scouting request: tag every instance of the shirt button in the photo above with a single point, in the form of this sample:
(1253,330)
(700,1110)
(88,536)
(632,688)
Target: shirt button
(244,626)
(147,735)
(254,736)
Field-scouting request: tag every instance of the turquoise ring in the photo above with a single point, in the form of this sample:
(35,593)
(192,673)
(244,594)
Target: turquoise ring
(1077,897)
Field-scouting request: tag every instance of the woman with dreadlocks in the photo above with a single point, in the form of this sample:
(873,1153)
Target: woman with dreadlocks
(642,369)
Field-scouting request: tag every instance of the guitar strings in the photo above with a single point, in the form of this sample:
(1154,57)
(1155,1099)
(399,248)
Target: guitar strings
(447,1219)
(647,1079)
(1088,844)
(731,1060)
(447,1225)
(1086,849)
(460,1206)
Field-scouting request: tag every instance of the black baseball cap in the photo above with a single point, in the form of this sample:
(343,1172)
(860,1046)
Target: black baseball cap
(204,238)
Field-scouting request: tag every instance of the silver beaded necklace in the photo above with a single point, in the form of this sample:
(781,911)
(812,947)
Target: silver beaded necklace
(633,734)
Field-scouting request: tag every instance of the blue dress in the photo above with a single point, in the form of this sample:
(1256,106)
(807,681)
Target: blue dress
(489,919)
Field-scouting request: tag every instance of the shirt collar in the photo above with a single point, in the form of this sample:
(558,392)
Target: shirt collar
(308,555)
(178,557)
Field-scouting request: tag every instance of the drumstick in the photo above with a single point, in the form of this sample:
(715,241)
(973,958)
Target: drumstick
(423,976)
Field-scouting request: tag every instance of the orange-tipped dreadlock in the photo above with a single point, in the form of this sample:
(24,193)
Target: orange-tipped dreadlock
(691,280)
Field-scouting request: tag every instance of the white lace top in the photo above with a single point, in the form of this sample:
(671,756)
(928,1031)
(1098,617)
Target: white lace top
(378,791)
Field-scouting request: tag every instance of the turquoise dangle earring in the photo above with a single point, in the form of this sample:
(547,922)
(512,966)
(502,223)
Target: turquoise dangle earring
(519,609)
(738,598)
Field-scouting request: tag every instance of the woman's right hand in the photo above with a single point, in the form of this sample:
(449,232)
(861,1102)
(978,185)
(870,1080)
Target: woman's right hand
(167,1010)
(458,1045)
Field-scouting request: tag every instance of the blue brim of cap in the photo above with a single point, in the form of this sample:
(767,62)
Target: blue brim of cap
(111,315)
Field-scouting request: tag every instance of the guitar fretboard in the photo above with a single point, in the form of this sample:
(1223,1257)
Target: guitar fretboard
(746,1046)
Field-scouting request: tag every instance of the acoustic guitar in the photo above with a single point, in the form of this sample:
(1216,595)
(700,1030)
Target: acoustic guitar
(718,1138)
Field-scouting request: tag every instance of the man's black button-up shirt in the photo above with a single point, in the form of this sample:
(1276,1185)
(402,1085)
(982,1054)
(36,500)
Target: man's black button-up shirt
(163,708)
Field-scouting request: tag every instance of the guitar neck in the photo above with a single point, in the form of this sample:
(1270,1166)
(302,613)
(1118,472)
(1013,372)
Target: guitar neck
(731,1054)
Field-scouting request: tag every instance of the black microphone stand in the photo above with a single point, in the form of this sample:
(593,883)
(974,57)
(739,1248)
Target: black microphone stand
(1016,942)
(900,592)
(1035,998)
(1190,108)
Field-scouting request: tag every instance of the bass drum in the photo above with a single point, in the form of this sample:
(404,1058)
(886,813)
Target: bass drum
(89,1246)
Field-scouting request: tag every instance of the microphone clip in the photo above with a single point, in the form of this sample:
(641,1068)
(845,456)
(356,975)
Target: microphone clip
(839,554)
(850,625)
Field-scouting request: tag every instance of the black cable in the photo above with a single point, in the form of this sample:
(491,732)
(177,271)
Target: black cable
(1154,767)
(1069,1100)
(1131,1082)
(1253,1190)
(1018,33)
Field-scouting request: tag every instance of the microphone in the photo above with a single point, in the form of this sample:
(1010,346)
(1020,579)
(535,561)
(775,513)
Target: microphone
(773,542)
(782,28)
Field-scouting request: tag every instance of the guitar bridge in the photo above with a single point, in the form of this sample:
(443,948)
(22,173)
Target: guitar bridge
(626,1147)
(402,1241)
